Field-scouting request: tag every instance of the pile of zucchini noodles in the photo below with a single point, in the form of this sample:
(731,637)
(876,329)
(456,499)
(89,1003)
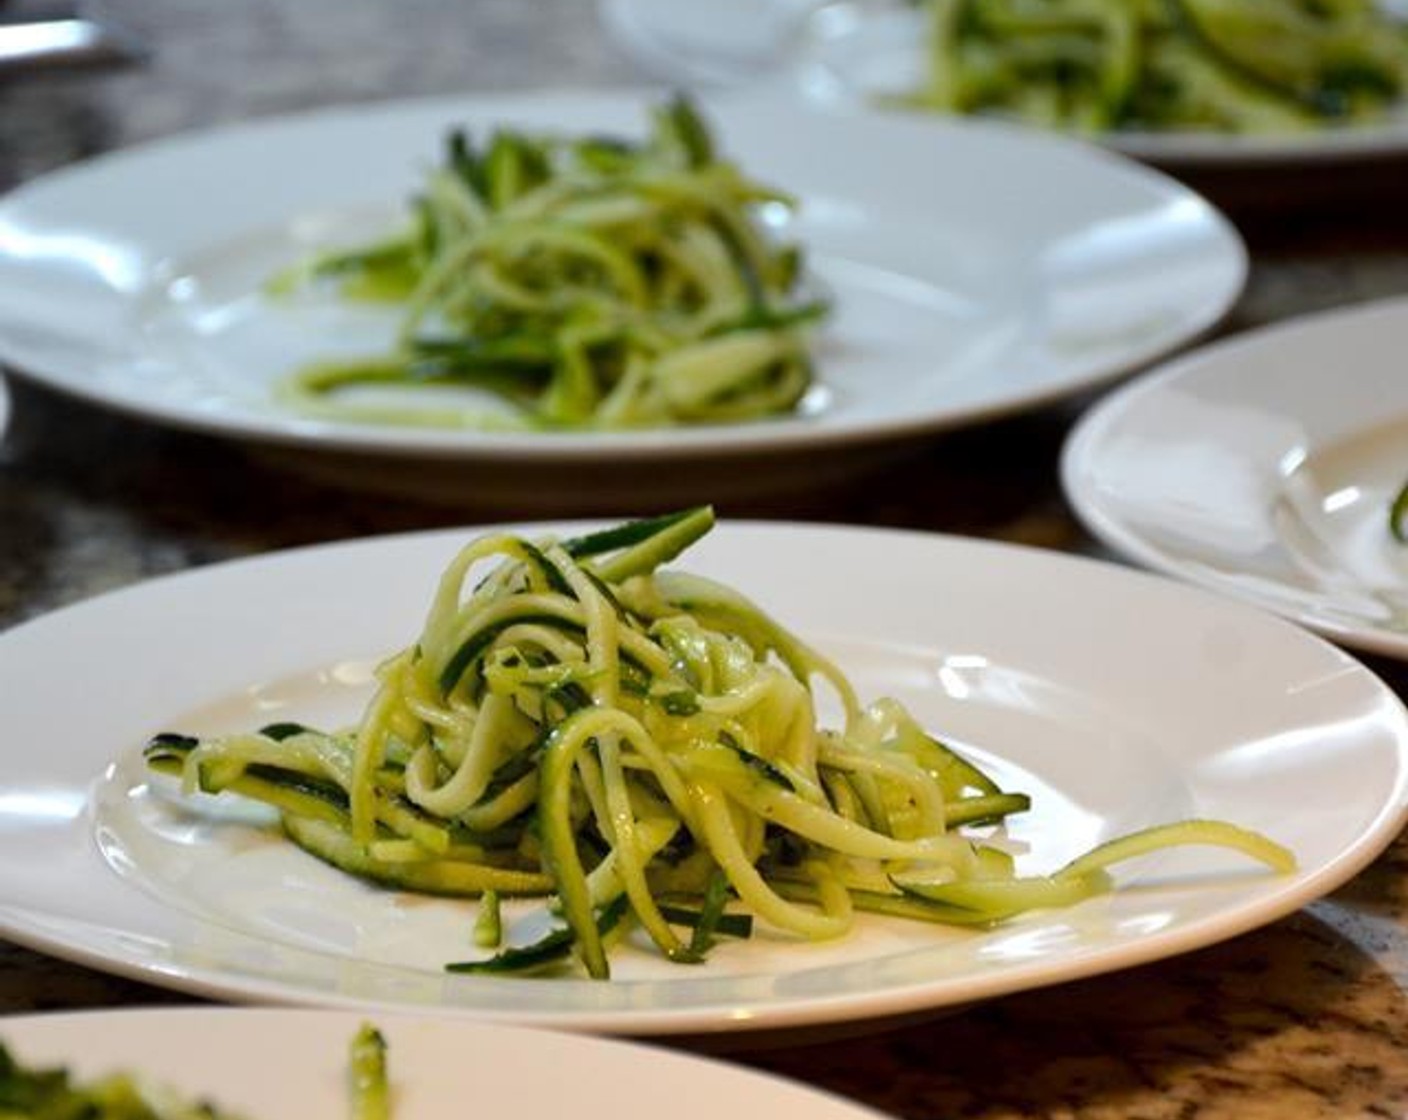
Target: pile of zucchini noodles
(641,745)
(586,283)
(1242,66)
(53,1093)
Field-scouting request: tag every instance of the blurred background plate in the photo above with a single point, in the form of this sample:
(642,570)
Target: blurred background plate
(1264,467)
(135,281)
(850,54)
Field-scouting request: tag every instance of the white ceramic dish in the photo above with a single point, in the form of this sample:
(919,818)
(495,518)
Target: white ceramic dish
(290,1065)
(1070,679)
(847,53)
(1264,467)
(135,281)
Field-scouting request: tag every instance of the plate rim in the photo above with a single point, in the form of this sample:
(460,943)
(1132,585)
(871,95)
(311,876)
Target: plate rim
(1094,425)
(788,435)
(1389,814)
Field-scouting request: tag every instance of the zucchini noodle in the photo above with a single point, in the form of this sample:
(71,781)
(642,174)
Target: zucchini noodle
(34,1093)
(641,744)
(1244,66)
(582,283)
(1398,515)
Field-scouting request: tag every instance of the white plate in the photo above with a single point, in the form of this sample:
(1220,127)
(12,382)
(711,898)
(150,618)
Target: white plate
(291,1065)
(847,53)
(134,281)
(1116,699)
(1264,467)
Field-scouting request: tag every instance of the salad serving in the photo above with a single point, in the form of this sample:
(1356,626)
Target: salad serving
(588,282)
(1240,66)
(640,747)
(30,1092)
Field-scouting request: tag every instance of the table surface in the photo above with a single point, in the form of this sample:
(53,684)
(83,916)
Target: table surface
(1304,1018)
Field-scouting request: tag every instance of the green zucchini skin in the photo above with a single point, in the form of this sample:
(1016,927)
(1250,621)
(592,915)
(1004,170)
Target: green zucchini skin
(1398,515)
(449,878)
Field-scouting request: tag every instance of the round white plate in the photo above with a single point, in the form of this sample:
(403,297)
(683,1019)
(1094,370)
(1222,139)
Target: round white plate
(1264,467)
(290,1065)
(849,53)
(1117,700)
(135,281)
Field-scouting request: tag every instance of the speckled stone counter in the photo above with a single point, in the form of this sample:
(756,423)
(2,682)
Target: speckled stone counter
(1305,1018)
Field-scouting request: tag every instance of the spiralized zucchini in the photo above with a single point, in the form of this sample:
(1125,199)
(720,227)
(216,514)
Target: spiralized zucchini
(1244,66)
(641,744)
(585,283)
(52,1093)
(30,1092)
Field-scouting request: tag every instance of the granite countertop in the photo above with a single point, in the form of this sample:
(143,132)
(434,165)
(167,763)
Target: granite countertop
(1305,1018)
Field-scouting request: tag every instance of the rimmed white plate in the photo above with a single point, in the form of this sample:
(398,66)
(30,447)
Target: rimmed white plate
(135,281)
(1264,467)
(1117,700)
(275,1064)
(851,53)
